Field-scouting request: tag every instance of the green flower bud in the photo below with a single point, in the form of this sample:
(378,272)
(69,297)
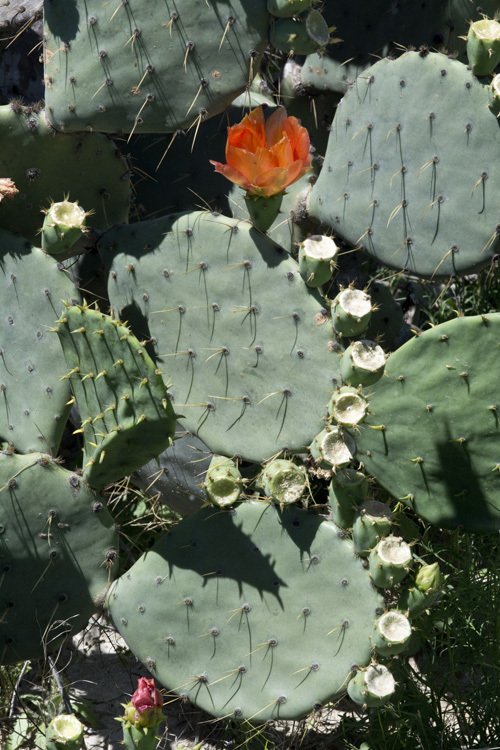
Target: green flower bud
(429,578)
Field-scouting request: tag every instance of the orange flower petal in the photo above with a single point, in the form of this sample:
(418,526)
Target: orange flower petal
(294,171)
(250,164)
(240,160)
(279,178)
(274,127)
(232,174)
(250,132)
(298,137)
(272,182)
(283,152)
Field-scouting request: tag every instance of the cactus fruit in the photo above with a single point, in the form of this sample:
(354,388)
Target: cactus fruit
(363,363)
(348,406)
(483,46)
(263,210)
(372,522)
(64,224)
(317,259)
(424,592)
(390,561)
(351,311)
(233,324)
(435,445)
(495,95)
(391,633)
(333,448)
(223,482)
(284,481)
(396,156)
(223,623)
(57,553)
(372,687)
(127,417)
(65,732)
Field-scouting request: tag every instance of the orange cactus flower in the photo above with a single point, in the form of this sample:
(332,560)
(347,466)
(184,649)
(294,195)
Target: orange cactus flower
(264,157)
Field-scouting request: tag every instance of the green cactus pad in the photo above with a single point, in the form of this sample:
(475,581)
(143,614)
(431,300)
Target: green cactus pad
(33,401)
(138,68)
(409,172)
(248,347)
(57,548)
(127,417)
(438,405)
(223,623)
(48,166)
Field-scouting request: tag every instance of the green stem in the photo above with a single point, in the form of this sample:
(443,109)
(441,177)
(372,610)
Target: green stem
(263,210)
(140,738)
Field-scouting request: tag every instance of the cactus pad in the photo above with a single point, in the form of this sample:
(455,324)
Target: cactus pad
(57,548)
(33,400)
(409,173)
(134,67)
(220,617)
(127,418)
(247,345)
(438,405)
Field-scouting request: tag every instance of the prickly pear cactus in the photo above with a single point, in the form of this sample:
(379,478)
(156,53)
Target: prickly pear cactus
(138,67)
(268,624)
(432,436)
(33,400)
(127,417)
(57,549)
(231,321)
(46,166)
(409,174)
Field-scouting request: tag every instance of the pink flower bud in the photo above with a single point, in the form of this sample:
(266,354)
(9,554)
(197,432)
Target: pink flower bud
(147,695)
(145,708)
